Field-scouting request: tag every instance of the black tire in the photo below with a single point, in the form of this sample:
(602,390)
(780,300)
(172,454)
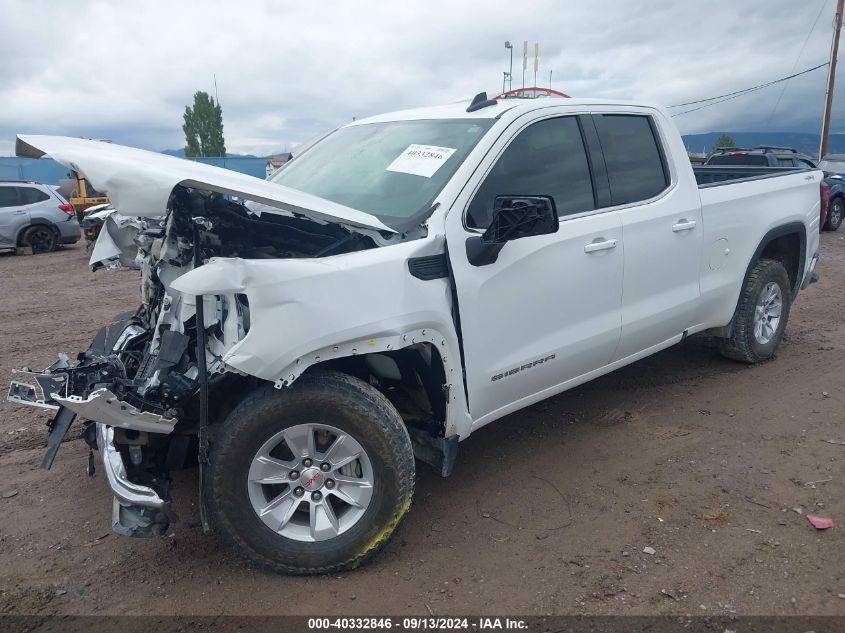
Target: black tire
(41,238)
(330,398)
(743,345)
(835,214)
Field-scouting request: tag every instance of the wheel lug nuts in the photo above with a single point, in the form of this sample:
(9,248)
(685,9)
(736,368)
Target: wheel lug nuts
(317,496)
(306,462)
(325,467)
(299,491)
(294,474)
(329,483)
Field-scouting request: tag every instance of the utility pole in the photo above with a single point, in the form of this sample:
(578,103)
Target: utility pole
(536,61)
(831,78)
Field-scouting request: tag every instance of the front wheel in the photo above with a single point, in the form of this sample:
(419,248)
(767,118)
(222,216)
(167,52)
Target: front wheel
(835,213)
(760,318)
(311,479)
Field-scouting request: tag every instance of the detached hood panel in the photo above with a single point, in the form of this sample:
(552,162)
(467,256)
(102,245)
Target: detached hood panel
(139,182)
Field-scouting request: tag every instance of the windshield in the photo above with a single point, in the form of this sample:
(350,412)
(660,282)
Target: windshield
(835,166)
(391,170)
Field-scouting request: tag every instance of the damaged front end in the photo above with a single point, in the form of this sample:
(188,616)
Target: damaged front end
(128,432)
(148,381)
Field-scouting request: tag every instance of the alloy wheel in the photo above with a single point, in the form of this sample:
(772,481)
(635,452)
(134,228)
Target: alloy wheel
(310,482)
(767,313)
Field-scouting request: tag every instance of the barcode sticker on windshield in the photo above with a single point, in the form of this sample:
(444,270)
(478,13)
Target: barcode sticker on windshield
(421,160)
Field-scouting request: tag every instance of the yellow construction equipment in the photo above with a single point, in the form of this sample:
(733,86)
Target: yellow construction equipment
(84,196)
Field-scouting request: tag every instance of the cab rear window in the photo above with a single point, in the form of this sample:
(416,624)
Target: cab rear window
(636,169)
(753,160)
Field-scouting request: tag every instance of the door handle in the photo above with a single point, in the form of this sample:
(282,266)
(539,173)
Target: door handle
(683,225)
(599,245)
(20,212)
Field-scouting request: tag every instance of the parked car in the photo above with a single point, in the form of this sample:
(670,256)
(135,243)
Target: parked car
(834,169)
(789,157)
(35,215)
(407,280)
(762,155)
(836,205)
(833,164)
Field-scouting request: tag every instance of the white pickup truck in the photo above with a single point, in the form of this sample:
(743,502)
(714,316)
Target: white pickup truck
(399,284)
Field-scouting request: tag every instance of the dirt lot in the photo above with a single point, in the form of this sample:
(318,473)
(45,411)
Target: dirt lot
(548,510)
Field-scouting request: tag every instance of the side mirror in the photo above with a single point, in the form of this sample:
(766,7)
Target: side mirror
(514,217)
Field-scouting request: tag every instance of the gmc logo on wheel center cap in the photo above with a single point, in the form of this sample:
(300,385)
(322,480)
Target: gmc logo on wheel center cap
(313,481)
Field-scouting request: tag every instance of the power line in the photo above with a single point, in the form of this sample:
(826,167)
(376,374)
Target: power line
(744,90)
(738,93)
(797,59)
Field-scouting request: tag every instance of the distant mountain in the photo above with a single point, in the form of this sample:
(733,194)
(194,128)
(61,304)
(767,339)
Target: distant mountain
(806,143)
(180,153)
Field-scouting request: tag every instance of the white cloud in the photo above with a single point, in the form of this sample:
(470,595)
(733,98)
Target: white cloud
(287,71)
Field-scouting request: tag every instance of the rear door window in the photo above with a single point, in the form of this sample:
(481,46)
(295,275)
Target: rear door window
(786,162)
(31,195)
(8,197)
(636,167)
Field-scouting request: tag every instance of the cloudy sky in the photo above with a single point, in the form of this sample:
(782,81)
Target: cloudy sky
(289,70)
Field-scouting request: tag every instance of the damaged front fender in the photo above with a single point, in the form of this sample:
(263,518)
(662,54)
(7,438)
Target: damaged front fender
(306,311)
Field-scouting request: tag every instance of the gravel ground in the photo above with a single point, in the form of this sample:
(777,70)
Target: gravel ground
(549,511)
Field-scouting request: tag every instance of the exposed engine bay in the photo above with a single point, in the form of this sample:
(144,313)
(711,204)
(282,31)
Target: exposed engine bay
(155,366)
(148,358)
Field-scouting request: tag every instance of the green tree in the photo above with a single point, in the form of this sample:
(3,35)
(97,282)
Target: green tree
(204,127)
(724,140)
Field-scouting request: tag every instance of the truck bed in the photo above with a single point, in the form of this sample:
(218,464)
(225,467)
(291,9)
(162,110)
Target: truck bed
(717,175)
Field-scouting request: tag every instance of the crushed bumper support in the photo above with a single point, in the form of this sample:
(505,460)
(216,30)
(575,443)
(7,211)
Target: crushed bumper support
(137,510)
(105,407)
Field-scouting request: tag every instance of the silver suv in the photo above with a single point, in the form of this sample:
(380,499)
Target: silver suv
(32,214)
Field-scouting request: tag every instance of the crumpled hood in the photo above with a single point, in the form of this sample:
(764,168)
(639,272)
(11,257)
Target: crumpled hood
(139,182)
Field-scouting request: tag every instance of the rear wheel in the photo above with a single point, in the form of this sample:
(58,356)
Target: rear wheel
(41,238)
(835,213)
(311,479)
(761,315)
